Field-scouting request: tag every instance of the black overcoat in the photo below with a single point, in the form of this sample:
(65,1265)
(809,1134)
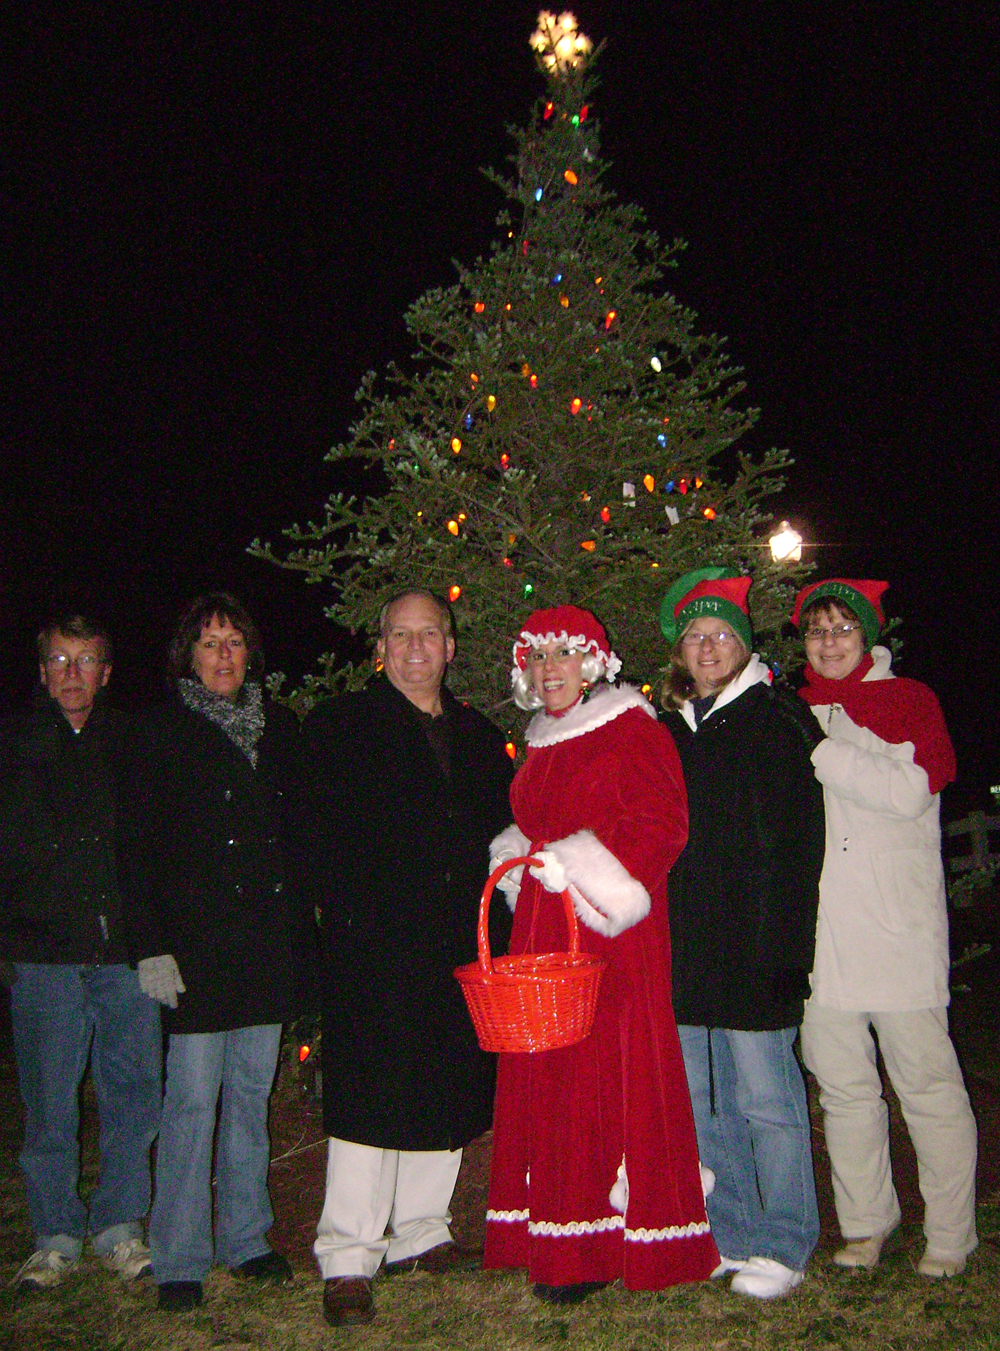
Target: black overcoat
(744,894)
(395,854)
(203,867)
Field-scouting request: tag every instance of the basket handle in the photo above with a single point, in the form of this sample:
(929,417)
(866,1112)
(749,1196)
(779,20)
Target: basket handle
(483,931)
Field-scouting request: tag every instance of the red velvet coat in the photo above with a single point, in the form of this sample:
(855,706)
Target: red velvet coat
(595,1164)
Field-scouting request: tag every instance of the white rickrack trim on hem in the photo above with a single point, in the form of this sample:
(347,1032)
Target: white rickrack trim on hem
(672,1231)
(549,1228)
(606,1224)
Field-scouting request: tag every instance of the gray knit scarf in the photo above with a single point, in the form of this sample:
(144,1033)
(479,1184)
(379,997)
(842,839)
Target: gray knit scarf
(242,718)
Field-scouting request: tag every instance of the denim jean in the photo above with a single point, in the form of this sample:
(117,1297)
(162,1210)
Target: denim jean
(60,1014)
(752,1121)
(239,1065)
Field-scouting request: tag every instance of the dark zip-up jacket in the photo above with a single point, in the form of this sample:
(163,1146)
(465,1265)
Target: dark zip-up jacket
(59,790)
(745,892)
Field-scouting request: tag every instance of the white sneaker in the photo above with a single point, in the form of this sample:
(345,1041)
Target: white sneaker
(940,1268)
(763,1278)
(130,1259)
(862,1252)
(45,1268)
(726,1265)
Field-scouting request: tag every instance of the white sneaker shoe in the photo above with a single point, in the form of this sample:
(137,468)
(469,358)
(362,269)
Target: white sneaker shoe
(862,1252)
(938,1268)
(130,1259)
(763,1278)
(726,1265)
(45,1268)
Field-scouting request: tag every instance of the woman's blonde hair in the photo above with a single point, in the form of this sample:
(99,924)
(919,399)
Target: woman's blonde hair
(679,686)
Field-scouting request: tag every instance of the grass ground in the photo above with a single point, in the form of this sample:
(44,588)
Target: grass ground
(890,1309)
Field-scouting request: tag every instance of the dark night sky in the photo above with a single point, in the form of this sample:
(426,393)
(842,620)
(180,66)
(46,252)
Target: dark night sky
(216,215)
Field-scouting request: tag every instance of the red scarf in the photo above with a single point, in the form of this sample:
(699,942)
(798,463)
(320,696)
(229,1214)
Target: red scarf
(896,710)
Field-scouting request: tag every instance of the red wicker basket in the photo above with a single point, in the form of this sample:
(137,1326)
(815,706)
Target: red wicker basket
(536,1001)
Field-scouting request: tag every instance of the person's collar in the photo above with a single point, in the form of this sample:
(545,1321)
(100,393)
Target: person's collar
(605,703)
(756,672)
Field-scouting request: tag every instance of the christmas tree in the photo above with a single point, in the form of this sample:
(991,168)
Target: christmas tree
(563,433)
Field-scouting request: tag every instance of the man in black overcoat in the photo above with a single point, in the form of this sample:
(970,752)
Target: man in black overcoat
(402,789)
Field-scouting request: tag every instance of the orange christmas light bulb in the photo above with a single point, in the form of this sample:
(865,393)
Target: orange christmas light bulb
(575,406)
(491,403)
(589,544)
(456,444)
(453,527)
(454,592)
(479,307)
(648,482)
(571,178)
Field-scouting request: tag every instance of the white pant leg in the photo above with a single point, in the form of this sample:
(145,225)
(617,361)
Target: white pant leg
(924,1071)
(420,1216)
(839,1050)
(360,1187)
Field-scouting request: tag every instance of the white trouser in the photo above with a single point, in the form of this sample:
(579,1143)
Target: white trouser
(369,1189)
(838,1048)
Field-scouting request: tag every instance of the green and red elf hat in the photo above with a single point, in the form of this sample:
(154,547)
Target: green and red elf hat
(717,592)
(862,596)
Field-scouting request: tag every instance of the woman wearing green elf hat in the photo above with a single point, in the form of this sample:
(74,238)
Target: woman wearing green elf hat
(743,905)
(882,940)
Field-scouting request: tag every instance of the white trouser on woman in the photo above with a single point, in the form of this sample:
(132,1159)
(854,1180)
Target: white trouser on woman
(838,1048)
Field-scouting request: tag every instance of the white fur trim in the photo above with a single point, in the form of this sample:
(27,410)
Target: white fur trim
(604,705)
(606,897)
(707,1180)
(755,672)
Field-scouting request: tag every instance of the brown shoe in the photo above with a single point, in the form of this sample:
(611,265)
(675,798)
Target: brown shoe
(439,1261)
(347,1299)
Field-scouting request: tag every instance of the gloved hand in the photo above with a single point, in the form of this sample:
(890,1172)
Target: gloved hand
(510,843)
(551,873)
(160,979)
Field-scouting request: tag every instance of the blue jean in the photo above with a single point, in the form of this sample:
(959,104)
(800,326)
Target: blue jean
(752,1122)
(60,1014)
(241,1065)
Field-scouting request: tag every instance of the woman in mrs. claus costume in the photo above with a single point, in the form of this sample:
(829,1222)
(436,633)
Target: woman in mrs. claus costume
(595,1167)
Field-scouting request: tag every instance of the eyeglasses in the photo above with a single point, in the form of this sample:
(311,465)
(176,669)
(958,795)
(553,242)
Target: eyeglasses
(720,639)
(58,661)
(839,631)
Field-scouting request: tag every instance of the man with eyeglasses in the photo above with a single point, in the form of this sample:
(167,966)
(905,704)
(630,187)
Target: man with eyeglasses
(73,994)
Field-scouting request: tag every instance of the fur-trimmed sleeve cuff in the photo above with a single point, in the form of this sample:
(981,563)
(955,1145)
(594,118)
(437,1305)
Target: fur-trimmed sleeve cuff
(606,897)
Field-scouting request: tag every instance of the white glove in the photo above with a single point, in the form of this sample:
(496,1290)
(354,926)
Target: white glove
(160,979)
(510,843)
(551,874)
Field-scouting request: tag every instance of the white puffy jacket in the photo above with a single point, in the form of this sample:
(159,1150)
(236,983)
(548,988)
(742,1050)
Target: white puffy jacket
(882,935)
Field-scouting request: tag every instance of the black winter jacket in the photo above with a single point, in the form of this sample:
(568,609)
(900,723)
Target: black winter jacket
(59,892)
(744,894)
(396,854)
(203,868)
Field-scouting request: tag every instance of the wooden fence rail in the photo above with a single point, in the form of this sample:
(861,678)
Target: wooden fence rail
(978,825)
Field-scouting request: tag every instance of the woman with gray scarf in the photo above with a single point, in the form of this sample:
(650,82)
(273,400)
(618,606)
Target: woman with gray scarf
(218,936)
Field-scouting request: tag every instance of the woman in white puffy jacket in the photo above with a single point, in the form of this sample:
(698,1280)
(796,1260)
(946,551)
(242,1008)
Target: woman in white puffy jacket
(882,936)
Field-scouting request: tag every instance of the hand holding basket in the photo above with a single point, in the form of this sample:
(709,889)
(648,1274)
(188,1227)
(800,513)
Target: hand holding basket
(534,1001)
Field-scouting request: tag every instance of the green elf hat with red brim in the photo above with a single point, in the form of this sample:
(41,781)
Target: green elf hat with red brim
(717,592)
(862,596)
